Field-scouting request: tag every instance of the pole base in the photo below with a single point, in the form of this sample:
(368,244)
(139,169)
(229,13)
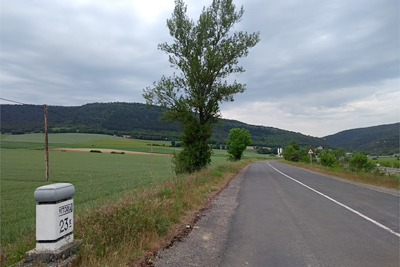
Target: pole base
(48,256)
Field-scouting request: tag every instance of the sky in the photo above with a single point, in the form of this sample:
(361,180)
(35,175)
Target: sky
(321,67)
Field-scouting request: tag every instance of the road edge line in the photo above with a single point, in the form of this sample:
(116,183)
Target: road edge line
(340,204)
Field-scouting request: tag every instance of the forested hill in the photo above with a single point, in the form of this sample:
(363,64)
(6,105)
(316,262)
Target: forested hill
(131,119)
(375,140)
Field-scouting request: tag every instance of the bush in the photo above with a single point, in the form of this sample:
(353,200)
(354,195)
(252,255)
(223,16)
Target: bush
(294,157)
(95,151)
(305,159)
(328,160)
(289,150)
(360,162)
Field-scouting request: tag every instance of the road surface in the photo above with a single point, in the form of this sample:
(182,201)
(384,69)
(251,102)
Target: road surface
(280,222)
(279,215)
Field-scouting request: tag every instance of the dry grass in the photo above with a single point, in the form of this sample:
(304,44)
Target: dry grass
(122,232)
(389,181)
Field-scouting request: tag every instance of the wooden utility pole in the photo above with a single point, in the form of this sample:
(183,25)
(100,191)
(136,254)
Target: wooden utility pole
(151,152)
(46,143)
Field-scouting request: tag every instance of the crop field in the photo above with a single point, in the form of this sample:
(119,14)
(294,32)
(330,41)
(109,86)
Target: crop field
(77,140)
(97,177)
(393,162)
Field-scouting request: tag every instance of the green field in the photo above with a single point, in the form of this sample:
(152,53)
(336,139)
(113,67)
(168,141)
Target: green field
(98,141)
(76,140)
(97,177)
(393,162)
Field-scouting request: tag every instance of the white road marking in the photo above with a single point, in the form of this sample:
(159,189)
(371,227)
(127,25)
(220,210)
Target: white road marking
(341,204)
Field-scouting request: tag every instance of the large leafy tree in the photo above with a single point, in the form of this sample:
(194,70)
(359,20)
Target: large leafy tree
(237,141)
(205,54)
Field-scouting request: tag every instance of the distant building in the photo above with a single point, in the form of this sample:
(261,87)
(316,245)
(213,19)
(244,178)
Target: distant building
(320,148)
(280,151)
(126,136)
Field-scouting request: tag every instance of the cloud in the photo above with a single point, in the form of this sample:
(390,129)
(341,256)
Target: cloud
(314,117)
(318,62)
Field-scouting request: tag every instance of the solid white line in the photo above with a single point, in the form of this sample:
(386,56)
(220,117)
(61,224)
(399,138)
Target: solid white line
(341,204)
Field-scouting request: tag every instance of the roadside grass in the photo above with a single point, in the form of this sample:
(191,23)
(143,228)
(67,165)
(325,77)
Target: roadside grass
(389,181)
(121,232)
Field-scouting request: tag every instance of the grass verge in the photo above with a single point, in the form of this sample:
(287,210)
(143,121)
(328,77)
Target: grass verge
(120,232)
(389,181)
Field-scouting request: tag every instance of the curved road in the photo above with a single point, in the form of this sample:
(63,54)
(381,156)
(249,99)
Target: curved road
(287,216)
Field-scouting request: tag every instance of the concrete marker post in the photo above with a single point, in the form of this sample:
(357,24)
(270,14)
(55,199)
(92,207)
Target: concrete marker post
(54,224)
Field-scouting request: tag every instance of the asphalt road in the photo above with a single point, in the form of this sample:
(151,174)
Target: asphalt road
(292,217)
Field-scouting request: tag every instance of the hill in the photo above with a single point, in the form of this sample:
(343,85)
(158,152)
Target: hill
(132,119)
(375,140)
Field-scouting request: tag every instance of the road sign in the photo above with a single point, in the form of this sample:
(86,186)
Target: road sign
(310,152)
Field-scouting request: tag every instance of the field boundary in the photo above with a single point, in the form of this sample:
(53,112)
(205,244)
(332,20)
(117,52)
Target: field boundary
(107,150)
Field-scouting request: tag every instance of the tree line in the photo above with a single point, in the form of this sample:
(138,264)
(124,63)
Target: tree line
(136,120)
(337,158)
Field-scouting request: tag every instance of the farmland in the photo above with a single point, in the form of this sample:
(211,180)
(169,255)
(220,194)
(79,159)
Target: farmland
(97,177)
(387,161)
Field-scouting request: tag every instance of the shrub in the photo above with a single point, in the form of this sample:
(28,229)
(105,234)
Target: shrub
(294,157)
(360,162)
(289,150)
(328,160)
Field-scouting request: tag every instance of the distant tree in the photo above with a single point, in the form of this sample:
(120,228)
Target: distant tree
(237,141)
(173,143)
(294,144)
(206,55)
(340,152)
(262,150)
(288,151)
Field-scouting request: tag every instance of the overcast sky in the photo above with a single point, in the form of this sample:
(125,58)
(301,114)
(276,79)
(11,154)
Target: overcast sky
(322,66)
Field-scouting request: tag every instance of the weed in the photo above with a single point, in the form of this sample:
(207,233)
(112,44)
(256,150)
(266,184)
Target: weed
(217,172)
(164,193)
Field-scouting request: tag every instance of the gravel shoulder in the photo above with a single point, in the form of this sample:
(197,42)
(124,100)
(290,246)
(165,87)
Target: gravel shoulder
(205,243)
